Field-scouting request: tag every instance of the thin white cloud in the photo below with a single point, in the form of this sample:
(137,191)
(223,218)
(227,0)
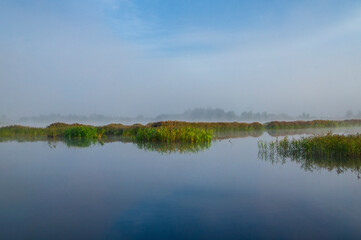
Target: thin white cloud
(58,65)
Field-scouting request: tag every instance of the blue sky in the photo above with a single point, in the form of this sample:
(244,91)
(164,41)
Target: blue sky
(130,57)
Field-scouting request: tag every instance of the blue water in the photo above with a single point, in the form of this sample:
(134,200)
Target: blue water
(118,191)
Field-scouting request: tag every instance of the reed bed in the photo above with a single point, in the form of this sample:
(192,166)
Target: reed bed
(21,131)
(81,132)
(324,146)
(166,134)
(214,126)
(312,124)
(339,153)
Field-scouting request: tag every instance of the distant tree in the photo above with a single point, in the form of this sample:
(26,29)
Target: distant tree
(358,115)
(349,114)
(264,116)
(304,116)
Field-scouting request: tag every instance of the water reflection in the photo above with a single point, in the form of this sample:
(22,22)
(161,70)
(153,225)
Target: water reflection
(23,139)
(167,148)
(120,192)
(163,148)
(81,143)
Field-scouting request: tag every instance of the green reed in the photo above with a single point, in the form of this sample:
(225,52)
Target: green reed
(165,134)
(326,146)
(338,153)
(85,132)
(21,131)
(311,124)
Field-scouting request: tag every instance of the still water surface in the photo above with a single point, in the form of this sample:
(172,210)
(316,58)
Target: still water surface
(119,191)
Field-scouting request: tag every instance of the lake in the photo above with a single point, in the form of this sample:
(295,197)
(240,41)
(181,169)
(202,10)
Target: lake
(119,190)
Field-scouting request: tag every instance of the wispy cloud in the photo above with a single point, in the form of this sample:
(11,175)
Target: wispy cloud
(114,59)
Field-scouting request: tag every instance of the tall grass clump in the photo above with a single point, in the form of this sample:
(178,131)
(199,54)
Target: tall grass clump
(338,153)
(81,132)
(324,146)
(164,134)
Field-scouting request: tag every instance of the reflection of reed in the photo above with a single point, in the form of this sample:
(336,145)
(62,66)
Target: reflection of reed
(174,147)
(148,146)
(75,143)
(81,142)
(167,148)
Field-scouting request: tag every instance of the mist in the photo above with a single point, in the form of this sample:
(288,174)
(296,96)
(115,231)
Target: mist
(126,58)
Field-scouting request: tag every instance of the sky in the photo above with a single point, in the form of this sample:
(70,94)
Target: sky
(129,58)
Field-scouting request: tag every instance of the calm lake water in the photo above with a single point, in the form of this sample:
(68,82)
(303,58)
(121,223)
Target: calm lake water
(120,191)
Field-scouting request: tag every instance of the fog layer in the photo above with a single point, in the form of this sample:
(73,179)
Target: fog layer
(127,58)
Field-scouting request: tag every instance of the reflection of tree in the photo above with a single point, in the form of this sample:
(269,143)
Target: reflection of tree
(312,163)
(173,147)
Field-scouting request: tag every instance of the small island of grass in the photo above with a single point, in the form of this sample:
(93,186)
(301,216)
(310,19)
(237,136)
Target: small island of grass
(325,146)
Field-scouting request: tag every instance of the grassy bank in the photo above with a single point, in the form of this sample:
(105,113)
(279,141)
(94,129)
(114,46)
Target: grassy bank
(312,124)
(167,134)
(167,131)
(214,126)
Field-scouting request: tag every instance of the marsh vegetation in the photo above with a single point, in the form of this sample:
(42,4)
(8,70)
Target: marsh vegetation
(167,131)
(167,134)
(311,124)
(325,146)
(331,152)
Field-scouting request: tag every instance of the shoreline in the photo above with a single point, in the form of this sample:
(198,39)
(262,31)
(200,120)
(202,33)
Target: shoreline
(166,130)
